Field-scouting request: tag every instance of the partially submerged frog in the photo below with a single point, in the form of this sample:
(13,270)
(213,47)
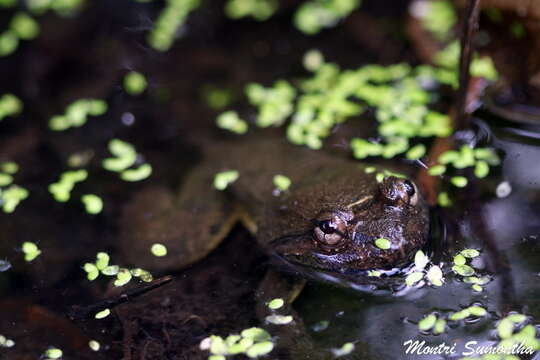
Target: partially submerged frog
(325,223)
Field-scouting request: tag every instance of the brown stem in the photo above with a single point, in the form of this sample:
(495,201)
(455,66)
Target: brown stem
(83,312)
(472,13)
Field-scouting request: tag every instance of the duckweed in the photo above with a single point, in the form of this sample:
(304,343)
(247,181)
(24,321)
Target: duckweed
(274,103)
(252,342)
(30,250)
(11,197)
(224,178)
(314,15)
(282,182)
(53,353)
(142,172)
(5,342)
(440,326)
(61,190)
(94,345)
(463,270)
(8,42)
(435,275)
(276,304)
(470,253)
(76,114)
(420,260)
(258,9)
(459,260)
(24,26)
(416,152)
(279,319)
(158,250)
(125,156)
(229,120)
(443,199)
(92,203)
(135,83)
(459,181)
(9,167)
(171,18)
(10,105)
(427,322)
(260,349)
(437,17)
(413,278)
(122,277)
(383,243)
(344,350)
(103,314)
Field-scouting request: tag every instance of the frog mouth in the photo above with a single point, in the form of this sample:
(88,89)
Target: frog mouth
(299,250)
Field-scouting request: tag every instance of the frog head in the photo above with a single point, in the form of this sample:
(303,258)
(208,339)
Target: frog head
(333,223)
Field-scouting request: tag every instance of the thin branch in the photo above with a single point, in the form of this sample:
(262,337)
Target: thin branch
(469,30)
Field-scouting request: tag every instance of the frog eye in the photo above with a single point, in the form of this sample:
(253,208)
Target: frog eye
(331,231)
(397,191)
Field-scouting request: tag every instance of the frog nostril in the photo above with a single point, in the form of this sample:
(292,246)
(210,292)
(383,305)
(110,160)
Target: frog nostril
(361,238)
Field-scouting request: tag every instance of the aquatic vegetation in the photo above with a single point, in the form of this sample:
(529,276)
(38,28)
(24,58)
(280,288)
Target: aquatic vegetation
(217,98)
(344,350)
(400,95)
(24,26)
(137,174)
(229,120)
(281,182)
(125,156)
(276,304)
(252,342)
(171,18)
(466,157)
(76,114)
(277,319)
(94,345)
(53,353)
(93,203)
(468,272)
(123,275)
(258,9)
(224,178)
(102,314)
(135,83)
(383,244)
(10,105)
(159,250)
(5,342)
(21,27)
(30,250)
(314,15)
(274,103)
(61,190)
(437,17)
(10,194)
(434,274)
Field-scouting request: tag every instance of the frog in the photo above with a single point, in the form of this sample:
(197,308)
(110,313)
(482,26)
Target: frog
(328,221)
(323,227)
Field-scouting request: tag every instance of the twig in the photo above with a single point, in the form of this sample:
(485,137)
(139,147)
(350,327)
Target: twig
(471,16)
(84,312)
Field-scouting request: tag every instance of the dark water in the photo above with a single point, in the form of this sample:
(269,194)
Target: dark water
(510,247)
(87,56)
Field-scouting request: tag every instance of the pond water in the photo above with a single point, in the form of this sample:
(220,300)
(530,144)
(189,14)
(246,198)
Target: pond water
(87,56)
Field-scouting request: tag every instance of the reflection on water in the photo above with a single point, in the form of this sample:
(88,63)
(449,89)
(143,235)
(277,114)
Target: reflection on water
(510,242)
